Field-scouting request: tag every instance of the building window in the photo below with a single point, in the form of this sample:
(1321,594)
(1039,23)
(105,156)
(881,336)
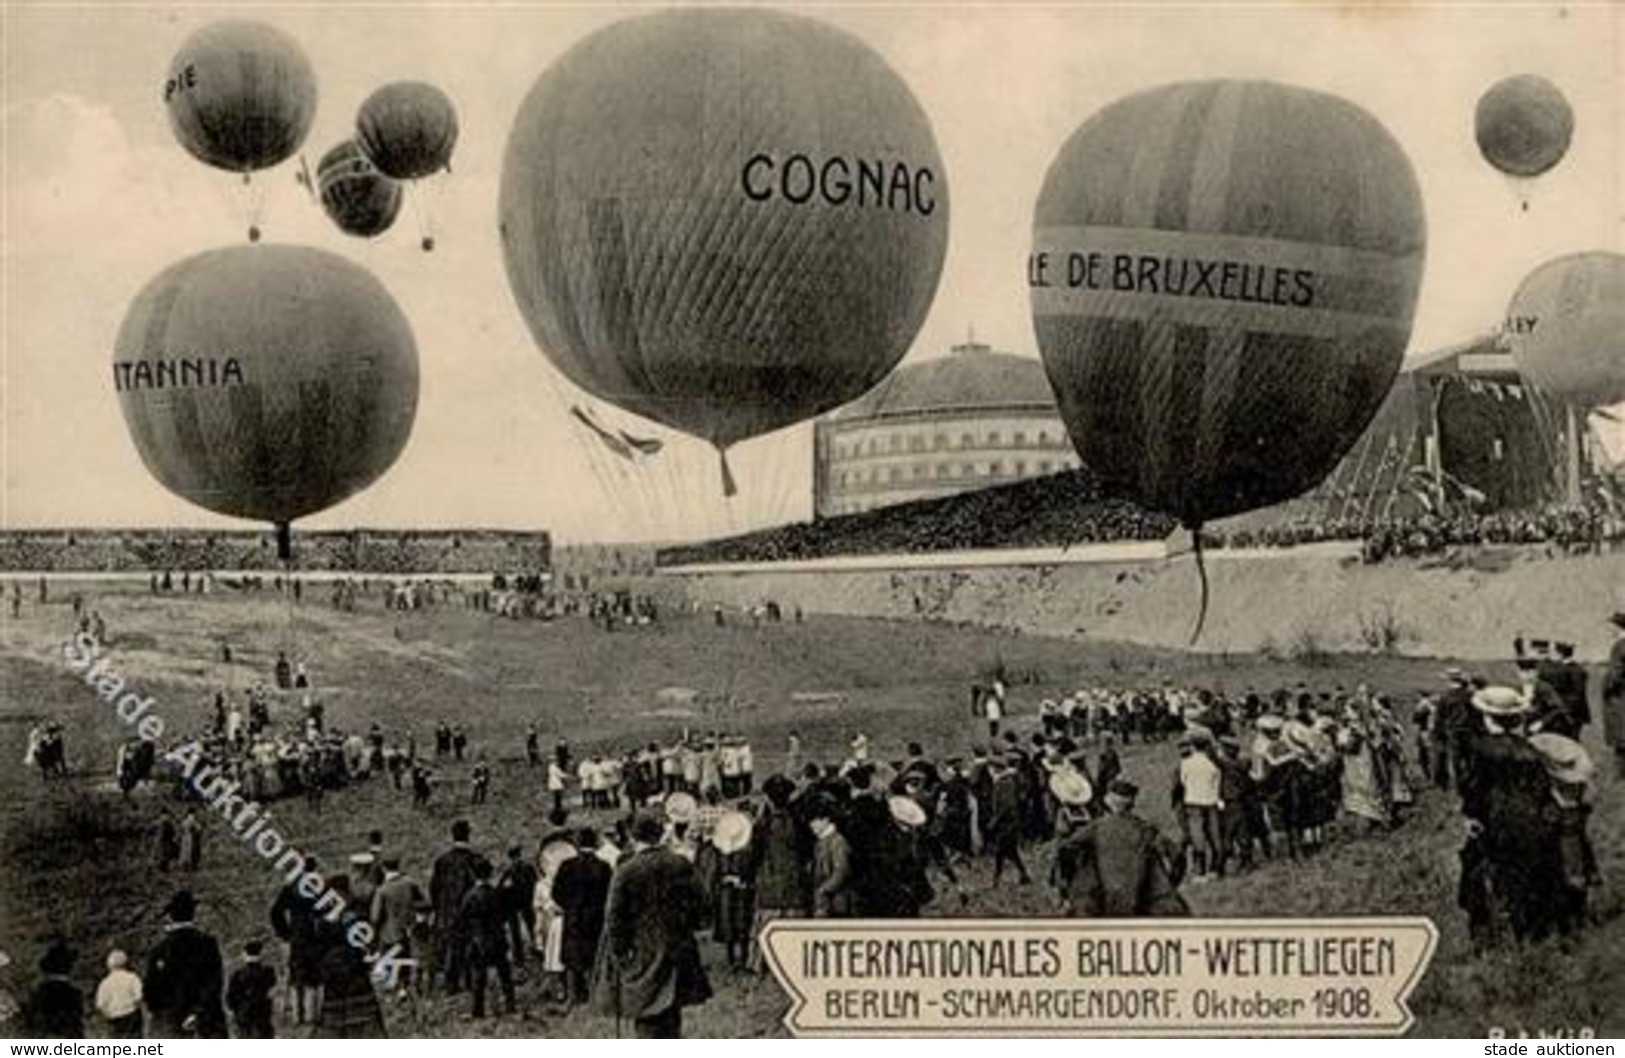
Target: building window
(919,471)
(896,443)
(1044,466)
(995,468)
(943,470)
(874,446)
(993,438)
(939,441)
(894,474)
(967,470)
(967,441)
(1021,469)
(1018,439)
(1043,437)
(916,444)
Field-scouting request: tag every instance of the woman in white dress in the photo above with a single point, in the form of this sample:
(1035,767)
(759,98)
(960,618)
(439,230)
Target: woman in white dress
(550,918)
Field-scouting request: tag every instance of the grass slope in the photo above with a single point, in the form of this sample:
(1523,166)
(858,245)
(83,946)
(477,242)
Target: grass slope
(77,859)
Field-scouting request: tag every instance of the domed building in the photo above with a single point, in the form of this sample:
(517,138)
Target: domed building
(969,420)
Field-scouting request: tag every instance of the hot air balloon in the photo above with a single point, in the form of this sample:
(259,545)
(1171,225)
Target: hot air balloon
(241,96)
(1566,328)
(1223,280)
(1523,125)
(408,130)
(266,382)
(359,199)
(745,233)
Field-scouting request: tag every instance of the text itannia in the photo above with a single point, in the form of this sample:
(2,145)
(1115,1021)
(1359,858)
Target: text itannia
(177,373)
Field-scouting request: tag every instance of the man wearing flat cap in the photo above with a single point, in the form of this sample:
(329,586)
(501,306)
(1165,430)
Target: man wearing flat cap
(186,977)
(1613,696)
(1120,866)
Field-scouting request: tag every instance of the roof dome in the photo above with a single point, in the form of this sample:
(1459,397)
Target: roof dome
(971,377)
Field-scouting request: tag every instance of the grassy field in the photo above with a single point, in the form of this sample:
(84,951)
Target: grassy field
(77,859)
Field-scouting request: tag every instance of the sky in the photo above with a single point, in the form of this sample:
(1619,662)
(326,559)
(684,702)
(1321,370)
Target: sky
(99,198)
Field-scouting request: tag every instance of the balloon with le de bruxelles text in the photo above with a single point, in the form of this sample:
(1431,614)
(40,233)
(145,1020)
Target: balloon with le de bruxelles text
(1223,281)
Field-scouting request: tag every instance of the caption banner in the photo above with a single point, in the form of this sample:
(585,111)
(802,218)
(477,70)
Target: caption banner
(1196,977)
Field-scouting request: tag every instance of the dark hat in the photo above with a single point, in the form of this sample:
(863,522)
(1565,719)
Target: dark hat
(58,958)
(1565,650)
(182,906)
(1123,788)
(1618,619)
(253,949)
(648,828)
(778,789)
(1540,646)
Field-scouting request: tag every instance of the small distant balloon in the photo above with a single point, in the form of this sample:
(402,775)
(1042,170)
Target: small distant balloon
(408,130)
(1524,125)
(241,95)
(359,199)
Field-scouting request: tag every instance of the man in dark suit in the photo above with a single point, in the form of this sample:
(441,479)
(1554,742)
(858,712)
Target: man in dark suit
(396,905)
(651,969)
(581,889)
(517,888)
(484,925)
(450,881)
(1119,866)
(248,995)
(1547,710)
(1453,720)
(186,977)
(1512,845)
(868,824)
(294,919)
(1613,696)
(56,1009)
(1569,679)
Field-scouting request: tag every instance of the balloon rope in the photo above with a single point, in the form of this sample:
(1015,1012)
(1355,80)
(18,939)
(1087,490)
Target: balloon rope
(284,554)
(413,194)
(730,488)
(1201,572)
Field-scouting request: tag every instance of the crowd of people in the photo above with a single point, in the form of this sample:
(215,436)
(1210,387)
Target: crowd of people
(1570,530)
(1055,511)
(649,848)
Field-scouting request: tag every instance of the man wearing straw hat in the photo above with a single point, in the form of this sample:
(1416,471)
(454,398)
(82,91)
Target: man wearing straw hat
(1511,863)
